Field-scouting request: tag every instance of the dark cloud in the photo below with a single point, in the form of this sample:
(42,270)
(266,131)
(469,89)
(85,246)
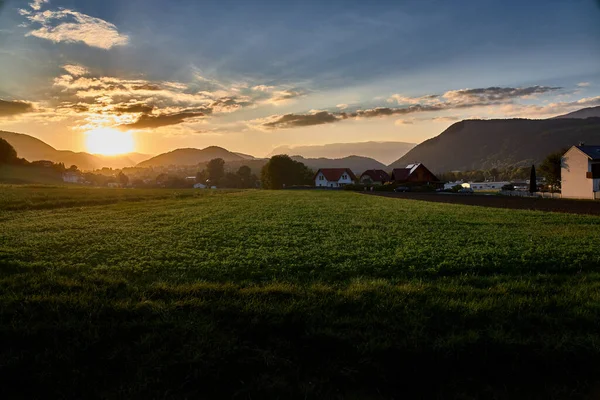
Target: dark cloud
(146,86)
(147,121)
(10,108)
(134,108)
(386,111)
(496,94)
(78,108)
(454,99)
(296,120)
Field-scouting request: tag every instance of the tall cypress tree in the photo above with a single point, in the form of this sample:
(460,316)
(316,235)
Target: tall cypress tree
(532,180)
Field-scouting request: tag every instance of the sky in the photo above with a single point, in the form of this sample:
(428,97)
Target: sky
(156,75)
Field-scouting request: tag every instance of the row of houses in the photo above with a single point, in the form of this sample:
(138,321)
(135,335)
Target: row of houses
(413,174)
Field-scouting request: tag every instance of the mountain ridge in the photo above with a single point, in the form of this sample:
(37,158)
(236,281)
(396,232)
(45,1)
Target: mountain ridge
(485,144)
(34,149)
(385,152)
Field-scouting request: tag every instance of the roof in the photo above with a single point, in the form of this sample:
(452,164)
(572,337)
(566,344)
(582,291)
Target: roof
(592,152)
(377,175)
(402,174)
(334,174)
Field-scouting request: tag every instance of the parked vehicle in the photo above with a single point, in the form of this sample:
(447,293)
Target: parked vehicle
(466,191)
(400,189)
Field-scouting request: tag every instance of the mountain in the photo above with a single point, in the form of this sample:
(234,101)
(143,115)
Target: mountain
(245,156)
(590,112)
(33,149)
(384,152)
(357,164)
(485,144)
(190,156)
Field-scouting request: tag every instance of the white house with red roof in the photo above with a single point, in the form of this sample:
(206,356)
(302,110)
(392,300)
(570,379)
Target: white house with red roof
(334,177)
(580,173)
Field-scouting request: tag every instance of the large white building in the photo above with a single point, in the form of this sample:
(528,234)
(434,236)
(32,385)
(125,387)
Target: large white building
(580,173)
(484,185)
(334,177)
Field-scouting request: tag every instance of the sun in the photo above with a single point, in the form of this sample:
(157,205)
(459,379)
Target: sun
(109,142)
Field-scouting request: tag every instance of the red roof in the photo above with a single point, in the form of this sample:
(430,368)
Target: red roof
(334,174)
(376,175)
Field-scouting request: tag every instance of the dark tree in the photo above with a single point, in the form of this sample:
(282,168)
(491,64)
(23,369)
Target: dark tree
(281,171)
(215,170)
(8,154)
(201,176)
(532,180)
(123,179)
(246,178)
(551,168)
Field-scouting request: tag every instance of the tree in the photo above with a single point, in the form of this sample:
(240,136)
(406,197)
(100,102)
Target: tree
(282,171)
(532,180)
(123,179)
(246,178)
(8,154)
(201,176)
(551,168)
(215,170)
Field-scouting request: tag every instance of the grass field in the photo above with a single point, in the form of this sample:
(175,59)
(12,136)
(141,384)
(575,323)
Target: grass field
(292,294)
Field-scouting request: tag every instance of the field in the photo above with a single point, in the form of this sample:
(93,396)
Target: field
(292,294)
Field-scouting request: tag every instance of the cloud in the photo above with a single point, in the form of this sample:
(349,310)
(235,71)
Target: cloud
(298,120)
(583,84)
(342,106)
(400,122)
(494,94)
(71,26)
(37,4)
(12,108)
(454,99)
(400,99)
(549,110)
(76,70)
(445,119)
(134,108)
(283,96)
(263,88)
(475,97)
(147,121)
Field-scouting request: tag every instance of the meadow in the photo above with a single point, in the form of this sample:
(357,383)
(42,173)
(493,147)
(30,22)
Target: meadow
(254,294)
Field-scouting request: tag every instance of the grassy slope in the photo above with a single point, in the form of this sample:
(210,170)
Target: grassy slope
(293,294)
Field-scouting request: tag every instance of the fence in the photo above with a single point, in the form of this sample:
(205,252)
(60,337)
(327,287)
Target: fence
(544,195)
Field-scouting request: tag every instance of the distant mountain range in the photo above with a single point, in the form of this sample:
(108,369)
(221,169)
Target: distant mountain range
(485,144)
(192,156)
(466,145)
(357,164)
(33,149)
(384,152)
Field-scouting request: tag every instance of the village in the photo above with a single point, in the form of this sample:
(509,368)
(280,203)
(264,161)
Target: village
(580,179)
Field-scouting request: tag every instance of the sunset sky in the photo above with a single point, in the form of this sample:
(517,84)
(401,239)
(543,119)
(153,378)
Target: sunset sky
(153,75)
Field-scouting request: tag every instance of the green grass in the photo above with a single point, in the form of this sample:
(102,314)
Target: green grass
(292,294)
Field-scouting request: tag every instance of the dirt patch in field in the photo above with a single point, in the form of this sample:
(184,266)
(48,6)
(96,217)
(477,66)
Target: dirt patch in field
(590,207)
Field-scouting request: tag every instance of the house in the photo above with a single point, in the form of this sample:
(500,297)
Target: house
(580,173)
(334,177)
(72,177)
(114,185)
(374,177)
(416,174)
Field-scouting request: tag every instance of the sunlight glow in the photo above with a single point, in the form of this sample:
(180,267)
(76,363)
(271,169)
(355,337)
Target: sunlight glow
(109,142)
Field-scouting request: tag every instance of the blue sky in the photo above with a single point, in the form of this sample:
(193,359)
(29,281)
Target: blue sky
(252,75)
